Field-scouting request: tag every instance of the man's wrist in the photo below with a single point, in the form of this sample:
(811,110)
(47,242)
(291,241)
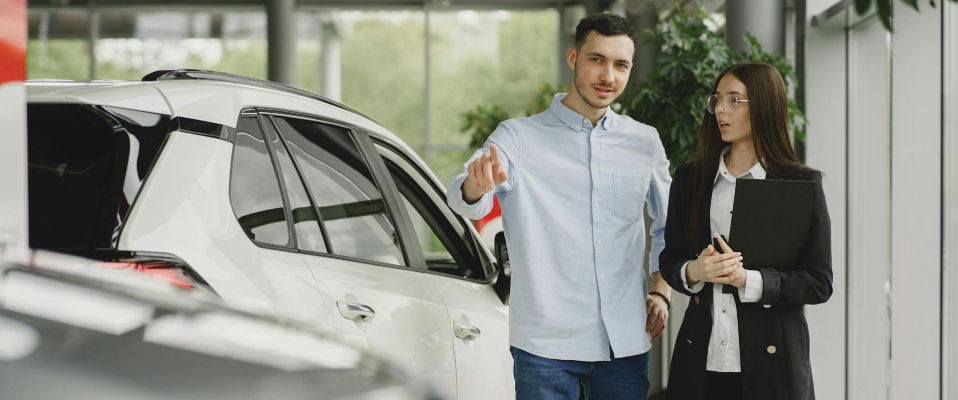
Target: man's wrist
(470,194)
(660,285)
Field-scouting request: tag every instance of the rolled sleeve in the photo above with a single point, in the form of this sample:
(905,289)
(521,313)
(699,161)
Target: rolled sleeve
(692,288)
(454,198)
(752,292)
(657,199)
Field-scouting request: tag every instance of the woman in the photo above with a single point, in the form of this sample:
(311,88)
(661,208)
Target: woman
(752,344)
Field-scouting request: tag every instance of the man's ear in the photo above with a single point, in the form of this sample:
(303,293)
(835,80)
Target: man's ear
(570,58)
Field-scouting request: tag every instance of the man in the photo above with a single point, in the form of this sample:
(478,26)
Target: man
(571,183)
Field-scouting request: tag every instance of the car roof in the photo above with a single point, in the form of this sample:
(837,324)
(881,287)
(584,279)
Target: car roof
(218,101)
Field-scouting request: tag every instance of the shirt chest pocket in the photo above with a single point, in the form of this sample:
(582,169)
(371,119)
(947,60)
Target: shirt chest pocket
(629,195)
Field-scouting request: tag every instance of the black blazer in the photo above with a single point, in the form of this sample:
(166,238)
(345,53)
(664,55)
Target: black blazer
(773,334)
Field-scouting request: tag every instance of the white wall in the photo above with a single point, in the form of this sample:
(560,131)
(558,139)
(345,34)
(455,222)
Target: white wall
(825,150)
(875,111)
(950,217)
(916,203)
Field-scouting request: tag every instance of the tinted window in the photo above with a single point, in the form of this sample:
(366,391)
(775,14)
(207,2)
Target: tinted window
(349,201)
(308,235)
(446,243)
(86,165)
(254,190)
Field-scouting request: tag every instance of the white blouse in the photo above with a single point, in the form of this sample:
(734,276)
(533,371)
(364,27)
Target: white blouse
(724,350)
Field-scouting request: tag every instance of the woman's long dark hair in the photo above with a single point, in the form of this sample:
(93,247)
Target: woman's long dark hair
(768,114)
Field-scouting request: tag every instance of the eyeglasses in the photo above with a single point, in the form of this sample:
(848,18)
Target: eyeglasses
(730,102)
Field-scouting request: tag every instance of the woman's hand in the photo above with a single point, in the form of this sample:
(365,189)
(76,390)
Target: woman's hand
(716,268)
(739,273)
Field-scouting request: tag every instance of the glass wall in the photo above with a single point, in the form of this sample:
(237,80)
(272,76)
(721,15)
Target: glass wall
(58,45)
(129,44)
(488,58)
(476,57)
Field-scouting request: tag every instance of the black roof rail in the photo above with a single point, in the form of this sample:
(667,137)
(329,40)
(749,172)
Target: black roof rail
(199,74)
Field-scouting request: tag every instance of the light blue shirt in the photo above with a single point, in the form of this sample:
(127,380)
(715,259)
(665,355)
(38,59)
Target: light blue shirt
(572,212)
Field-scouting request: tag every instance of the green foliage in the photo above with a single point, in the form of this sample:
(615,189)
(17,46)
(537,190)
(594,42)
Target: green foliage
(673,97)
(543,98)
(58,59)
(481,121)
(885,9)
(382,74)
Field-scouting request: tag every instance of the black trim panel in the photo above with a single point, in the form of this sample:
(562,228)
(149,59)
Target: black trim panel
(204,128)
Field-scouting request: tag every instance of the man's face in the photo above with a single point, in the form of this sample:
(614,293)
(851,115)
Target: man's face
(601,68)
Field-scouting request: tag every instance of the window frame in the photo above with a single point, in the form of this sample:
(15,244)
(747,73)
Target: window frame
(413,256)
(291,244)
(267,124)
(480,247)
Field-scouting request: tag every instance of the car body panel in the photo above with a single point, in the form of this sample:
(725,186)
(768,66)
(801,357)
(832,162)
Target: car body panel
(184,209)
(410,328)
(130,95)
(477,305)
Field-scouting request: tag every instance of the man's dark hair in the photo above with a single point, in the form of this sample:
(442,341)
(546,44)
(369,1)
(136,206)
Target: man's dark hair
(605,24)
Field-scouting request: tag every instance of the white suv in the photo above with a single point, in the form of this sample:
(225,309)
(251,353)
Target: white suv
(280,201)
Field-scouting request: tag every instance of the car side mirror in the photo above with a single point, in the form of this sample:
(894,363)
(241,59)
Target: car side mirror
(502,254)
(504,283)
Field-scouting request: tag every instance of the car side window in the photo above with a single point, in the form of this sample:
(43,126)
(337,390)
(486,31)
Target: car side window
(254,189)
(350,203)
(446,243)
(308,235)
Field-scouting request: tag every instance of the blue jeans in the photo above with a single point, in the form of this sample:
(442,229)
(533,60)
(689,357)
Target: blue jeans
(539,378)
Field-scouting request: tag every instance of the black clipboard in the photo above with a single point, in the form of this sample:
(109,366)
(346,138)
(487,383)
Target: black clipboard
(770,221)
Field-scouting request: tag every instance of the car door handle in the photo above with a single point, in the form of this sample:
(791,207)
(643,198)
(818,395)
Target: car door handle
(464,331)
(354,310)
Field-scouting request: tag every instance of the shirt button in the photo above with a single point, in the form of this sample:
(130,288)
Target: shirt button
(596,204)
(594,168)
(605,314)
(723,311)
(601,276)
(598,241)
(723,343)
(771,350)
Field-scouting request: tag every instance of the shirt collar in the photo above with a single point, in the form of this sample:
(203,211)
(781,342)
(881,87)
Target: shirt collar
(573,119)
(756,172)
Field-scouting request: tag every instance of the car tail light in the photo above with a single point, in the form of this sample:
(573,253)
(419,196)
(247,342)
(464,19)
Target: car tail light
(159,270)
(161,267)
